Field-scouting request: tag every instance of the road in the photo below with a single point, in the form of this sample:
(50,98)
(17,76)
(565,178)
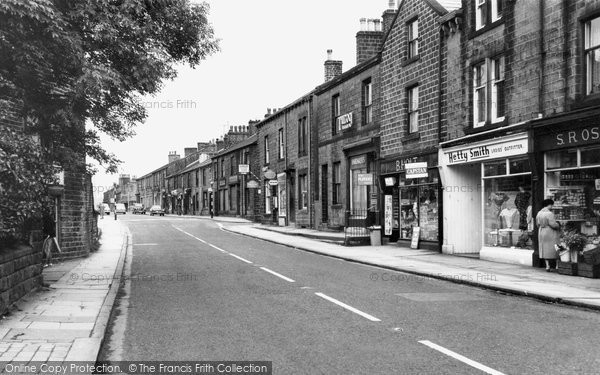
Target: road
(197,292)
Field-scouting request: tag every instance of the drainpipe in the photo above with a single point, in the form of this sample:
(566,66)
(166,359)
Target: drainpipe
(565,20)
(542,60)
(310,179)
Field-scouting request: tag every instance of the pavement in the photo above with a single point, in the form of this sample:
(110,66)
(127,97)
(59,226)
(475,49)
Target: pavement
(67,319)
(508,278)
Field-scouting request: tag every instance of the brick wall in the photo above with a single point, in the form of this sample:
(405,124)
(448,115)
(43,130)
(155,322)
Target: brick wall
(398,73)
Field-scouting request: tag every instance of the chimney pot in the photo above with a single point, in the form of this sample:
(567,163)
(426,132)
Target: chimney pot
(329,54)
(392,4)
(377,24)
(363,24)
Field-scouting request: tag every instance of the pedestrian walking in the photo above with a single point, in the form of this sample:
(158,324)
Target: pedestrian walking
(548,233)
(50,242)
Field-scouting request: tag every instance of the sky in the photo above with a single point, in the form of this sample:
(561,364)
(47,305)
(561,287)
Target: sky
(271,53)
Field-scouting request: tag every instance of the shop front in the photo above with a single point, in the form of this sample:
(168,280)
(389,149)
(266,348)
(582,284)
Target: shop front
(412,200)
(487,195)
(569,161)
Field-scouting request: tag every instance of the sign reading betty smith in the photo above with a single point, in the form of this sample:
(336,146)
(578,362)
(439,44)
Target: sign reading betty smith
(487,151)
(344,121)
(416,170)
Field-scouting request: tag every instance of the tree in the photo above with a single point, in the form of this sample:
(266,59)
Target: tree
(65,63)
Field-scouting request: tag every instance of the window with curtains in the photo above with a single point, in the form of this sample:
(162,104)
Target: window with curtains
(302,137)
(281,144)
(488,91)
(335,113)
(336,181)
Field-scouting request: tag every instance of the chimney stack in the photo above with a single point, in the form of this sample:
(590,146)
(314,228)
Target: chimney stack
(388,16)
(333,68)
(368,39)
(173,156)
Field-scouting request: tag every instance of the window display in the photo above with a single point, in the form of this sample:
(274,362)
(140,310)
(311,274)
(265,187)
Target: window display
(419,208)
(508,220)
(576,193)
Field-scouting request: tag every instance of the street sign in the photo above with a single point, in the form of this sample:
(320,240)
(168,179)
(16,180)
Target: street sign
(244,168)
(252,184)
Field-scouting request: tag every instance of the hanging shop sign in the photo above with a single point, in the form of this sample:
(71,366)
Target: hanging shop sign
(344,121)
(243,168)
(390,181)
(233,179)
(365,179)
(487,151)
(388,215)
(273,182)
(416,170)
(269,174)
(252,184)
(570,138)
(222,182)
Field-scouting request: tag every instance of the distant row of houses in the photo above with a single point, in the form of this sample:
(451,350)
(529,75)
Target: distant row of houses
(457,120)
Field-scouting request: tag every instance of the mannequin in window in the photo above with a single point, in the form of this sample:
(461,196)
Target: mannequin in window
(509,217)
(522,203)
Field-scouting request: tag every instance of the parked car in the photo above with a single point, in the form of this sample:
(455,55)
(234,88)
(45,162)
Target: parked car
(138,208)
(106,208)
(157,210)
(120,208)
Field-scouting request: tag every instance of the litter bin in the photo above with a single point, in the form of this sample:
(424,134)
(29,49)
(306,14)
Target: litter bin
(375,233)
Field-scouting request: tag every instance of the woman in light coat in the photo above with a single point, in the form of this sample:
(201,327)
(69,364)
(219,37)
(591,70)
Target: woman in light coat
(548,233)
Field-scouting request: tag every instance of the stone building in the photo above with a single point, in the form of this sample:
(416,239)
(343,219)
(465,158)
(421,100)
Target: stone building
(284,151)
(411,126)
(346,134)
(520,109)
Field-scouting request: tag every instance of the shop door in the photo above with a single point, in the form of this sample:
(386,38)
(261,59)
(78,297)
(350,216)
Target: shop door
(292,205)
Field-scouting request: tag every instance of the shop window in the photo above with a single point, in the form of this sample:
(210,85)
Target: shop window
(418,207)
(590,156)
(335,113)
(576,195)
(336,183)
(302,185)
(413,109)
(508,217)
(561,159)
(367,91)
(413,38)
(487,12)
(267,198)
(281,144)
(592,55)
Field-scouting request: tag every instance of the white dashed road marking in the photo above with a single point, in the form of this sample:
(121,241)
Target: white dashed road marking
(277,274)
(461,358)
(348,307)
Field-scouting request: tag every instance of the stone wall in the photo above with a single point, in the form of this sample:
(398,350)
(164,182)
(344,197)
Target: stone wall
(20,272)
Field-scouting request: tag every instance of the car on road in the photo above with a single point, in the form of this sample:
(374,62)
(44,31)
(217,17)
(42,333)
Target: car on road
(138,208)
(157,210)
(120,208)
(106,208)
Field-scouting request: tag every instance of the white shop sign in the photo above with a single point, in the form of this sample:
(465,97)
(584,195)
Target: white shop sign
(416,170)
(388,215)
(344,121)
(487,151)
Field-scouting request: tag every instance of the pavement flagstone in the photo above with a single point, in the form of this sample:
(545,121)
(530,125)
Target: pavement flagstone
(66,320)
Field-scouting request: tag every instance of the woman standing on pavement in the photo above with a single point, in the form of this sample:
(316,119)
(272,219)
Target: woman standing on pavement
(548,232)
